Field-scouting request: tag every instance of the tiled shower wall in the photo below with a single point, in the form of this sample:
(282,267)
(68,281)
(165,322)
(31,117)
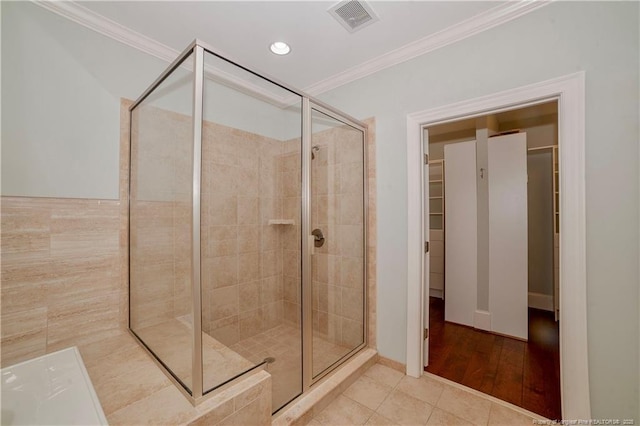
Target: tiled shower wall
(61,275)
(289,172)
(337,209)
(245,179)
(248,180)
(65,267)
(337,301)
(160,216)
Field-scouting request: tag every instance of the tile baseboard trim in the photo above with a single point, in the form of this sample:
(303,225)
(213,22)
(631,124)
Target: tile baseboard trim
(396,365)
(305,407)
(486,396)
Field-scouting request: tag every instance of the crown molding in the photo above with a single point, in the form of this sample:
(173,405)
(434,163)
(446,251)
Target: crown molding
(482,22)
(472,26)
(105,26)
(102,25)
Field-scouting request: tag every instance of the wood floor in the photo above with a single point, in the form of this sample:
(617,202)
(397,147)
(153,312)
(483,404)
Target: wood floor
(526,374)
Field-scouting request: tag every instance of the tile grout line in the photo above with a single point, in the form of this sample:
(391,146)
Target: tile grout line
(436,404)
(490,410)
(487,397)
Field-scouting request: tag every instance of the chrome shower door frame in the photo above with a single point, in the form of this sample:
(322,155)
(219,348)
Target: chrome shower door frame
(197,393)
(196,292)
(308,239)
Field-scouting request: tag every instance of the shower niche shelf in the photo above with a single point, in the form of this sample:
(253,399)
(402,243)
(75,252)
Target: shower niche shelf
(282,222)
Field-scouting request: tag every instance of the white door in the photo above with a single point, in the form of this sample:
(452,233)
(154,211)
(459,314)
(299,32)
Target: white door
(426,261)
(508,261)
(461,236)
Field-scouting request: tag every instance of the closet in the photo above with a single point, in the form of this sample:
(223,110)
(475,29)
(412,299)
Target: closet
(506,225)
(436,229)
(494,219)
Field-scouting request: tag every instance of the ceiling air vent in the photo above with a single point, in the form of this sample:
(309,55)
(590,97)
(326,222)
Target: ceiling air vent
(353,14)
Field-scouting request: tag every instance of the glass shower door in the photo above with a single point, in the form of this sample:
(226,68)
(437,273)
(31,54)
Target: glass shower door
(338,227)
(160,222)
(250,229)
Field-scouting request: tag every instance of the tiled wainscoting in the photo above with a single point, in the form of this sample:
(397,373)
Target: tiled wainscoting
(134,391)
(62,280)
(64,266)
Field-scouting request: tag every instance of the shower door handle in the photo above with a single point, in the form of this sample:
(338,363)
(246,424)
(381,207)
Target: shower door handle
(318,237)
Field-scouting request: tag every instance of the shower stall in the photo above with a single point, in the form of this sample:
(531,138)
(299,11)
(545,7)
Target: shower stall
(247,228)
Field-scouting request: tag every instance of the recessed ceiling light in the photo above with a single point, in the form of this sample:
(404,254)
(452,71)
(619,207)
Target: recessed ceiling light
(280,48)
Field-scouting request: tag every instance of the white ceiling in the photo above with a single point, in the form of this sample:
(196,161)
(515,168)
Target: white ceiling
(321,47)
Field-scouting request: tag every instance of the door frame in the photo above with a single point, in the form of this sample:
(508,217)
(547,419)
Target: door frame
(309,105)
(569,91)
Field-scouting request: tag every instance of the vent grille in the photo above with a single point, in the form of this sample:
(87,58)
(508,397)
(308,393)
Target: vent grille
(353,15)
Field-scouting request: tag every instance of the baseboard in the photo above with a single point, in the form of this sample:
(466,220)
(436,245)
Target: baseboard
(301,410)
(541,301)
(482,320)
(396,365)
(433,292)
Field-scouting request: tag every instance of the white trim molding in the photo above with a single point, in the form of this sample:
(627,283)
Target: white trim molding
(486,20)
(125,35)
(105,26)
(540,301)
(482,320)
(482,22)
(569,91)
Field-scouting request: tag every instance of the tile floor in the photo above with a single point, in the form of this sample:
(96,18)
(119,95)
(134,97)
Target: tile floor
(383,396)
(285,345)
(171,340)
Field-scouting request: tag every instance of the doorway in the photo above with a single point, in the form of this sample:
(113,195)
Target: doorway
(570,93)
(498,175)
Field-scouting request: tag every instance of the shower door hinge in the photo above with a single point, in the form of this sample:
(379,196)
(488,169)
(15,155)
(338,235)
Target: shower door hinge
(426,159)
(426,333)
(426,246)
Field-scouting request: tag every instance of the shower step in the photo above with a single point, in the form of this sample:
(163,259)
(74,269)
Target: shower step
(302,409)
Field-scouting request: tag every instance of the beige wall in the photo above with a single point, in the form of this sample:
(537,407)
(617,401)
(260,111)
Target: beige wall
(61,276)
(289,173)
(334,272)
(248,180)
(160,215)
(337,209)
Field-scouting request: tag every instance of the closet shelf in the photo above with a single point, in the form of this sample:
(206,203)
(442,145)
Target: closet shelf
(282,222)
(436,181)
(436,198)
(437,214)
